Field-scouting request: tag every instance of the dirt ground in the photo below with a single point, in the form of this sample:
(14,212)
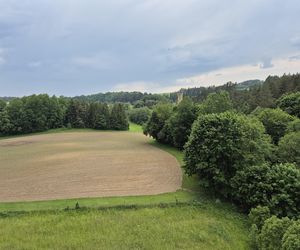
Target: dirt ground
(84,164)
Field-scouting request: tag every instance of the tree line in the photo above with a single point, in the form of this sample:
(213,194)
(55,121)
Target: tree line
(38,113)
(251,159)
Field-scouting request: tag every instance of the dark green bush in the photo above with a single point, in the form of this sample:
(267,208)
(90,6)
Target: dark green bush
(277,187)
(139,115)
(275,121)
(258,216)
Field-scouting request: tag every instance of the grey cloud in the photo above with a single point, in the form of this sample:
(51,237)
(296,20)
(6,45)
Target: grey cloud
(90,46)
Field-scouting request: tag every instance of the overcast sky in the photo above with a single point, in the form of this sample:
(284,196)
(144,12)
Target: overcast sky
(72,47)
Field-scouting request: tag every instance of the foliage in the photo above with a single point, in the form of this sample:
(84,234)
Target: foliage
(76,114)
(2,105)
(291,238)
(221,144)
(139,115)
(294,126)
(161,113)
(118,118)
(216,103)
(38,113)
(272,233)
(180,123)
(289,148)
(276,187)
(275,121)
(290,103)
(258,215)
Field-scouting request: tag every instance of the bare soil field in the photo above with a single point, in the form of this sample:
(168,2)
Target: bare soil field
(84,164)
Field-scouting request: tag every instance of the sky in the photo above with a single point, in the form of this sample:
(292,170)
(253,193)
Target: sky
(74,47)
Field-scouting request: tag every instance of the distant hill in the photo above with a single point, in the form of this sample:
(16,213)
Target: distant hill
(246,85)
(7,98)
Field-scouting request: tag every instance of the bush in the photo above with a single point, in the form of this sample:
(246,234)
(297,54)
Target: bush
(272,233)
(289,148)
(139,115)
(221,144)
(290,103)
(277,187)
(275,121)
(291,238)
(293,126)
(258,216)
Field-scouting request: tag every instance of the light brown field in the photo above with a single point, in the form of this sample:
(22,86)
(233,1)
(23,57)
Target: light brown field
(84,164)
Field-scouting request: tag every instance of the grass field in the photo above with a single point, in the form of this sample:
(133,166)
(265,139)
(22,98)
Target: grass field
(173,227)
(186,219)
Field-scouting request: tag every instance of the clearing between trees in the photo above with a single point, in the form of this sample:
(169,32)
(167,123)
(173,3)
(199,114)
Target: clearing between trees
(85,164)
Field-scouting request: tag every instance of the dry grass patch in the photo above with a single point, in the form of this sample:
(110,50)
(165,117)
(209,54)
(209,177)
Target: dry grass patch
(86,164)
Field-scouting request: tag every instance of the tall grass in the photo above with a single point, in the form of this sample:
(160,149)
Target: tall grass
(175,227)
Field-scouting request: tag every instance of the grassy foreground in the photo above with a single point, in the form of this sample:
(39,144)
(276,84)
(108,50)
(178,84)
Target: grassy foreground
(186,219)
(172,227)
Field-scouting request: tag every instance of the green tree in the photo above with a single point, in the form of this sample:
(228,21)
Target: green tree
(118,118)
(139,115)
(76,114)
(5,125)
(289,148)
(180,123)
(290,103)
(102,120)
(275,121)
(2,105)
(161,113)
(221,144)
(216,103)
(291,237)
(258,215)
(277,187)
(272,233)
(293,126)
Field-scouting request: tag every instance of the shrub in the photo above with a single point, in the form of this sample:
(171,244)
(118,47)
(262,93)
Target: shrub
(289,148)
(272,233)
(291,238)
(275,121)
(277,187)
(221,144)
(258,216)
